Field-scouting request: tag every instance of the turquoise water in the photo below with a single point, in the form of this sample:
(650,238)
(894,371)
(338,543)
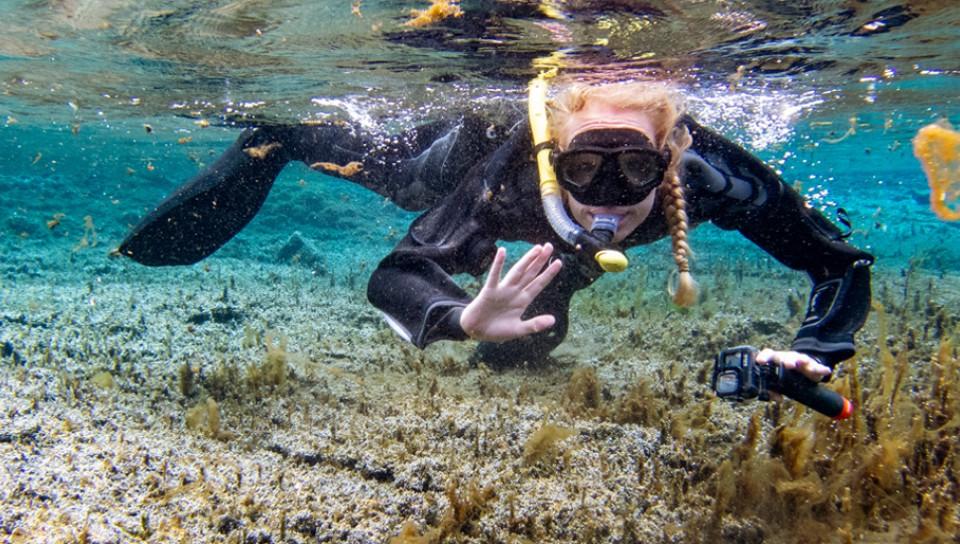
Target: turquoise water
(108,106)
(97,96)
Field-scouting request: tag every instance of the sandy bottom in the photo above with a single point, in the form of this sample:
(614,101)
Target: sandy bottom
(238,402)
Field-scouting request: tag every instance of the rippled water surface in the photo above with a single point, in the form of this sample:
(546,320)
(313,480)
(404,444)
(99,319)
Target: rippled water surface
(85,61)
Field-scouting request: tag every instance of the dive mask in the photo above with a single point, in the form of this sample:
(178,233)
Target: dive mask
(610,167)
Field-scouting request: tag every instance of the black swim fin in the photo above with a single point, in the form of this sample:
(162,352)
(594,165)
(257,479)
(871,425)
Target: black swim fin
(209,210)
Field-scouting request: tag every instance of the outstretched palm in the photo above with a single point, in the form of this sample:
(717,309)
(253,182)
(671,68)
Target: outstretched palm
(496,314)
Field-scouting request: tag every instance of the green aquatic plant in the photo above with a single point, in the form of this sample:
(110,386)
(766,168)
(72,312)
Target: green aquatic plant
(409,534)
(204,417)
(223,381)
(639,404)
(584,392)
(187,379)
(103,380)
(251,337)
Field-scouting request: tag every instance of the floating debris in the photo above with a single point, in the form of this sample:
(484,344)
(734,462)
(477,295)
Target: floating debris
(346,170)
(438,11)
(54,221)
(850,132)
(261,151)
(937,146)
(89,238)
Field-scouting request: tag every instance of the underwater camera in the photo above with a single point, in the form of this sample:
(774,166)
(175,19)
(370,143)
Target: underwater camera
(737,377)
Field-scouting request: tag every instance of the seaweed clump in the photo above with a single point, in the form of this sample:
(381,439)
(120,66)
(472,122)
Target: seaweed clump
(639,404)
(205,418)
(891,469)
(272,372)
(463,507)
(230,380)
(584,391)
(542,443)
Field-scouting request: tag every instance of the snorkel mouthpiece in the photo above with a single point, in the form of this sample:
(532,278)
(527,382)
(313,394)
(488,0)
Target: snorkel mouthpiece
(605,226)
(596,243)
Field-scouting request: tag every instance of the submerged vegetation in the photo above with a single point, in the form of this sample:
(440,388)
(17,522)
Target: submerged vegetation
(334,429)
(795,476)
(892,469)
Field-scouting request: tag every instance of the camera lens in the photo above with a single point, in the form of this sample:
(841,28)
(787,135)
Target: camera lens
(727,383)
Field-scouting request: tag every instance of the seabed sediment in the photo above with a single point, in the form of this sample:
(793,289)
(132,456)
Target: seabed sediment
(196,405)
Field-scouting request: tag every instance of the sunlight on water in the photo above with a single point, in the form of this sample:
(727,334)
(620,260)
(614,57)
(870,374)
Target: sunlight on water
(764,117)
(256,59)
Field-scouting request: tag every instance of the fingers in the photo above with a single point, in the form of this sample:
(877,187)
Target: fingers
(545,277)
(520,266)
(801,362)
(766,356)
(812,369)
(538,324)
(496,268)
(529,265)
(535,267)
(495,314)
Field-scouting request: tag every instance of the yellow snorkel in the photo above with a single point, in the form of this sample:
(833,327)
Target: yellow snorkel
(607,256)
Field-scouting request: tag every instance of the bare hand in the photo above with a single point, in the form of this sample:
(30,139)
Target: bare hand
(496,314)
(802,362)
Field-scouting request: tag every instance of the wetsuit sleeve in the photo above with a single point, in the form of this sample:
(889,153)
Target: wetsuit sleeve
(413,286)
(738,191)
(413,169)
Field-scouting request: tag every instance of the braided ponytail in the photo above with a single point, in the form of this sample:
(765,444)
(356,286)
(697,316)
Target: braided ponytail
(686,291)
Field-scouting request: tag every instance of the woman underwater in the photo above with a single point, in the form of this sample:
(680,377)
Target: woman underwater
(632,168)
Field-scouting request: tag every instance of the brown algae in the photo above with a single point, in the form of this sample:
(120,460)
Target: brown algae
(234,432)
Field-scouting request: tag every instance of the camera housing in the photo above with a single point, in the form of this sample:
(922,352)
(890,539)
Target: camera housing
(737,377)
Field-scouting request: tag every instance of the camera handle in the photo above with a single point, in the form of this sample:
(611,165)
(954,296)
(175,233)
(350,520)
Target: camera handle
(795,385)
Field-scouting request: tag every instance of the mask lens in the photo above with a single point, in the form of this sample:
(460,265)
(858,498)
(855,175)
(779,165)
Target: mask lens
(641,168)
(579,169)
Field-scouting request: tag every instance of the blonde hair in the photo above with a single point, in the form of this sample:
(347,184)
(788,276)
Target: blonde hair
(664,106)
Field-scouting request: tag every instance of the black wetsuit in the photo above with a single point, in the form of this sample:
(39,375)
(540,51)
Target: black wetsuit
(480,184)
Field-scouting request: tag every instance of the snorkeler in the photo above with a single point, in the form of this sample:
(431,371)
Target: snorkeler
(631,168)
